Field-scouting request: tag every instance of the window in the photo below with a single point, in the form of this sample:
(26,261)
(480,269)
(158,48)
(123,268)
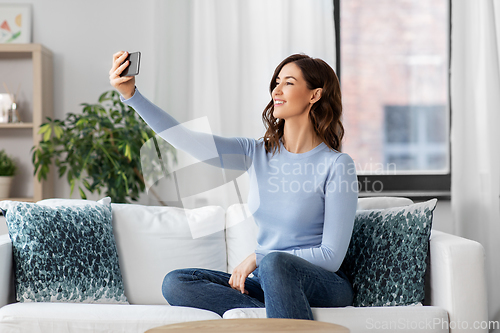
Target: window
(393,65)
(414,138)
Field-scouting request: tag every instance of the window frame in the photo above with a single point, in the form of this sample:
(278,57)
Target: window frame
(414,186)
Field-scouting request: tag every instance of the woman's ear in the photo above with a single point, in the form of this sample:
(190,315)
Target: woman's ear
(316,95)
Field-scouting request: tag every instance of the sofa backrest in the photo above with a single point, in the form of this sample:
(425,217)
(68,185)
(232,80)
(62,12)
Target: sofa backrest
(153,241)
(241,235)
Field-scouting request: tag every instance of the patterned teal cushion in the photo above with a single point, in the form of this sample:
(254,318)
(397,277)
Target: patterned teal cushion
(386,259)
(64,253)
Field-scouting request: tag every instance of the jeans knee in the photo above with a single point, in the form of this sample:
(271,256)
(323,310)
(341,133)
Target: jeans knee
(172,282)
(276,263)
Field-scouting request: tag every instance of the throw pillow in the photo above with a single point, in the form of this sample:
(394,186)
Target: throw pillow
(386,259)
(64,253)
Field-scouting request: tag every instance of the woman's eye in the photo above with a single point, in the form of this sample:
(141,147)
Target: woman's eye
(289,84)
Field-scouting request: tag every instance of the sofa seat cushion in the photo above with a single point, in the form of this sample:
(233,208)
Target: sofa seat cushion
(75,317)
(389,319)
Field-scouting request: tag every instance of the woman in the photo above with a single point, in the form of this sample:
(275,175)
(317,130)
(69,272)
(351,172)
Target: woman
(303,193)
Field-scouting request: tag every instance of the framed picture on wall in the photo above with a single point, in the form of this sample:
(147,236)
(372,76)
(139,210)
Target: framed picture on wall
(15,23)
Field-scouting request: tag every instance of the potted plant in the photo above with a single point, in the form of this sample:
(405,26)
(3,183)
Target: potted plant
(100,149)
(7,171)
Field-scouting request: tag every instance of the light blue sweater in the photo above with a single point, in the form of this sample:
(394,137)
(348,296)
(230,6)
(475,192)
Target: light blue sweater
(303,204)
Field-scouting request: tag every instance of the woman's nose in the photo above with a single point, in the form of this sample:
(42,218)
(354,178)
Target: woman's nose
(277,89)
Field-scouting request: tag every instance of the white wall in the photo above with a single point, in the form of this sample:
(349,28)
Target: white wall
(83,35)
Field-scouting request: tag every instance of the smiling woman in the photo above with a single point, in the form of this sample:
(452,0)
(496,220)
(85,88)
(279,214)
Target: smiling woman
(305,220)
(293,89)
(303,81)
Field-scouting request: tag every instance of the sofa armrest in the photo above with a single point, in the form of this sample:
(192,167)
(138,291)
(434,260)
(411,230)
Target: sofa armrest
(457,281)
(5,269)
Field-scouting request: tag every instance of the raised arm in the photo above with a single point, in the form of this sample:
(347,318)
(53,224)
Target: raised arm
(232,153)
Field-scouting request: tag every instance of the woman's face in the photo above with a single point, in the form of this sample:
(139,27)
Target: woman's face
(291,96)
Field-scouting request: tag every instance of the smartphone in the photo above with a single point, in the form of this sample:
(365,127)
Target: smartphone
(133,67)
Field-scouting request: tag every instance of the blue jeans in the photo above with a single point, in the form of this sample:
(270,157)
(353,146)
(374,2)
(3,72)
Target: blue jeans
(286,285)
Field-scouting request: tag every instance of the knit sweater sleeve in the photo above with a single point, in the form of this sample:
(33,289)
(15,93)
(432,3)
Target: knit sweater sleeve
(230,153)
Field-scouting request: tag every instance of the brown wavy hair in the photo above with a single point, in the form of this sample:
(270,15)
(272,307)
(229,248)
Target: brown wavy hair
(325,114)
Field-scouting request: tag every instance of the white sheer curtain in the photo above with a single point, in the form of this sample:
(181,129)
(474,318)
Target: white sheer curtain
(475,132)
(215,58)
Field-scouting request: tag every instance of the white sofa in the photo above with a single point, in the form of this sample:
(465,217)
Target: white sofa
(151,241)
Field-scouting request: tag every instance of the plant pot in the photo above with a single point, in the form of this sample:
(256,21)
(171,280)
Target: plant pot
(5,182)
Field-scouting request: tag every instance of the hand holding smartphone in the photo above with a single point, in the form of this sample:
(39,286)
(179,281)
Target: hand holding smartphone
(134,63)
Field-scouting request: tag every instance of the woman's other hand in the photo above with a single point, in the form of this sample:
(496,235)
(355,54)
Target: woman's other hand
(126,84)
(241,272)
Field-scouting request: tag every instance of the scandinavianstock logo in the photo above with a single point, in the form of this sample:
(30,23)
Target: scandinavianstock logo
(202,176)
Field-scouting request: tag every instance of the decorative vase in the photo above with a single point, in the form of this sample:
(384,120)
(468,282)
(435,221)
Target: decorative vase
(5,182)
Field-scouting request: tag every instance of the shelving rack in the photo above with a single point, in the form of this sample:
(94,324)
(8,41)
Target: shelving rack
(41,107)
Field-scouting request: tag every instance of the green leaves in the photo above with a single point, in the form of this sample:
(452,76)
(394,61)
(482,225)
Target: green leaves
(97,150)
(7,165)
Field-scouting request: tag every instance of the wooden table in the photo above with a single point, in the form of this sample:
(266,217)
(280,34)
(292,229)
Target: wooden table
(252,325)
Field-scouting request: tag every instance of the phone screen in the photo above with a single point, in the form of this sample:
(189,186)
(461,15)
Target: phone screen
(133,67)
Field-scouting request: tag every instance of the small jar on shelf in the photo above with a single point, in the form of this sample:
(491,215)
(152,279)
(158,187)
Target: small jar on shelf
(13,114)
